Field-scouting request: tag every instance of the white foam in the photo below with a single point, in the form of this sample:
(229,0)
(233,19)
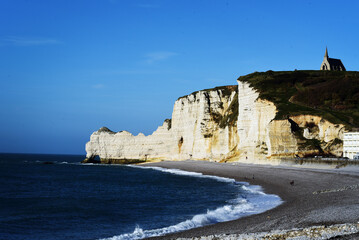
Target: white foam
(253,189)
(186,173)
(221,214)
(256,202)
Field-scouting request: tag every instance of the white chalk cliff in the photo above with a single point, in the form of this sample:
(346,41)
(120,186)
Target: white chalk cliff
(201,128)
(222,124)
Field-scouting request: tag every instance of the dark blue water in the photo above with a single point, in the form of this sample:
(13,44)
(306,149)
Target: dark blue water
(55,197)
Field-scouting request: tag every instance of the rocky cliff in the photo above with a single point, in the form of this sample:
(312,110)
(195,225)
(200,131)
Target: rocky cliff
(203,127)
(263,118)
(262,136)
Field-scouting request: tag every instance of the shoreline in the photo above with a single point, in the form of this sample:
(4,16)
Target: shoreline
(311,196)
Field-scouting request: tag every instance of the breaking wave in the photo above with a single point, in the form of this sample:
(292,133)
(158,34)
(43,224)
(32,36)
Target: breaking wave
(186,173)
(253,202)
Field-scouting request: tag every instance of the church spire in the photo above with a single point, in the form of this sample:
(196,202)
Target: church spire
(326,52)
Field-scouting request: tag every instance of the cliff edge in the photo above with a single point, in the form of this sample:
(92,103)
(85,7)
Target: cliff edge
(203,127)
(267,116)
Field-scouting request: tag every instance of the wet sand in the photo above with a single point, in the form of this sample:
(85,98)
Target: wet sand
(311,196)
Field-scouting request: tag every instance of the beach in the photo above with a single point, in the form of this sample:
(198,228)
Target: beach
(311,196)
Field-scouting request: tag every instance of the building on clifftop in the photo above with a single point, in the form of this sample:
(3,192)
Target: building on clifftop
(331,63)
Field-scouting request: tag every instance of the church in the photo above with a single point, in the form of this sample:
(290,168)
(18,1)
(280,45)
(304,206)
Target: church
(331,63)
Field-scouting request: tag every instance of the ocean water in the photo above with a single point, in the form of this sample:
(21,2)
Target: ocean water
(56,197)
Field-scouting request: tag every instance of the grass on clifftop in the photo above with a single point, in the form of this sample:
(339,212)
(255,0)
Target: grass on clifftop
(333,95)
(226,90)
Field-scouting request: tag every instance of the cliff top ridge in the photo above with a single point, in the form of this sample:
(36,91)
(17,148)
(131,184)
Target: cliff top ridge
(105,129)
(227,90)
(334,95)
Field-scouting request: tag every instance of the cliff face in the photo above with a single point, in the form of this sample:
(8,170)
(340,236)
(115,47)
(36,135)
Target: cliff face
(199,130)
(253,119)
(227,123)
(203,127)
(262,137)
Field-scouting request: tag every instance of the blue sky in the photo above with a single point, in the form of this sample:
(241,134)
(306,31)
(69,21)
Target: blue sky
(69,67)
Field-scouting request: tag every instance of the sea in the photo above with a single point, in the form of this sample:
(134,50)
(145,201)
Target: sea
(57,197)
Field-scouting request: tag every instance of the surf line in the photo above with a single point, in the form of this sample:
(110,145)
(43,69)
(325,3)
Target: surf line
(256,202)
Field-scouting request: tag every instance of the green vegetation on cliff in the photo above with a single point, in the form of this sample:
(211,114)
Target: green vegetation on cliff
(333,95)
(231,115)
(226,90)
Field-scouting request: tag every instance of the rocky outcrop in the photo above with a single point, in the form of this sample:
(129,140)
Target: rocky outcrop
(254,116)
(263,137)
(281,140)
(203,127)
(221,124)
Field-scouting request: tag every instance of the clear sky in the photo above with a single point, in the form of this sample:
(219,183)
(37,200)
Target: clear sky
(69,67)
